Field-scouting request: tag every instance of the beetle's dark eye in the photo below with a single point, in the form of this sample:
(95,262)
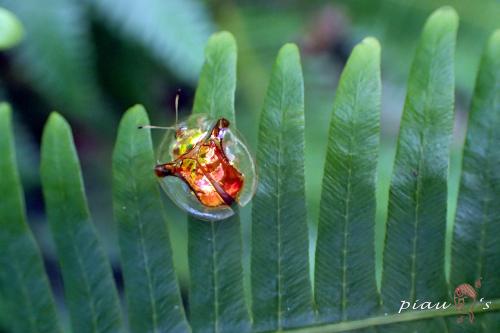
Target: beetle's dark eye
(179,131)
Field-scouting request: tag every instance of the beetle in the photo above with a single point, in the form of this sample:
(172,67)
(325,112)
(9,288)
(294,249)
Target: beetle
(205,167)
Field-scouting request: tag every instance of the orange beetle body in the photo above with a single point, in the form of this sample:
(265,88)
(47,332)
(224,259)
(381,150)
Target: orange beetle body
(214,166)
(206,169)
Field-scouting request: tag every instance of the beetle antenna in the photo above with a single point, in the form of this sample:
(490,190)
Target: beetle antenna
(156,127)
(177,107)
(176,117)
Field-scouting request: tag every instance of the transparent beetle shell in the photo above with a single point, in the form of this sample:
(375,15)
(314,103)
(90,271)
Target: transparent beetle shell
(197,144)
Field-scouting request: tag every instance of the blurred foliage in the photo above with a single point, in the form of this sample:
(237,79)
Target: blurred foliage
(282,297)
(11,30)
(92,59)
(174,31)
(56,56)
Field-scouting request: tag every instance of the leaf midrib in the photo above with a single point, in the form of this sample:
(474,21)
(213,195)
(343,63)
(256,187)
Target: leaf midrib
(213,112)
(143,247)
(347,202)
(25,294)
(427,106)
(10,163)
(381,320)
(486,202)
(21,231)
(418,190)
(215,278)
(278,202)
(84,275)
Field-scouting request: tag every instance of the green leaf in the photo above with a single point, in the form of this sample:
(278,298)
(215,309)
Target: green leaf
(217,84)
(216,298)
(281,289)
(405,318)
(172,30)
(57,55)
(154,303)
(11,30)
(414,250)
(345,286)
(89,288)
(476,249)
(23,282)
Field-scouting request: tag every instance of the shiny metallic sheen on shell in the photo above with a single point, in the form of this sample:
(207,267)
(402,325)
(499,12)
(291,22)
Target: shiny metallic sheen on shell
(210,168)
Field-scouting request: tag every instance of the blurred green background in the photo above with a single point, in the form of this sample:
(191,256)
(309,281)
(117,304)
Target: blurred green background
(92,59)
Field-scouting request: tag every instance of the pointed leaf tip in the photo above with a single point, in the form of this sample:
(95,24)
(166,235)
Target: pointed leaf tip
(372,43)
(290,49)
(221,39)
(346,206)
(215,252)
(4,105)
(217,83)
(416,221)
(137,112)
(56,119)
(5,109)
(92,299)
(494,42)
(222,36)
(476,227)
(56,129)
(496,36)
(366,51)
(152,290)
(448,11)
(137,108)
(23,282)
(444,17)
(281,293)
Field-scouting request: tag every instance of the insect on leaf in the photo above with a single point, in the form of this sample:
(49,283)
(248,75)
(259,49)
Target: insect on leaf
(216,298)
